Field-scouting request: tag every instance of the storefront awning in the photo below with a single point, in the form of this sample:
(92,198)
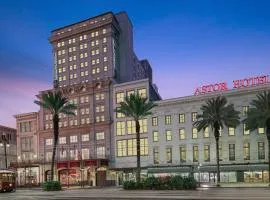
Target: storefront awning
(209,168)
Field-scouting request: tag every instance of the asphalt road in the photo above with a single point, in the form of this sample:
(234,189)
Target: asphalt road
(118,193)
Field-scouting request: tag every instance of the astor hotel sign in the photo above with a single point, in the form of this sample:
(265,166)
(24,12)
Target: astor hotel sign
(237,84)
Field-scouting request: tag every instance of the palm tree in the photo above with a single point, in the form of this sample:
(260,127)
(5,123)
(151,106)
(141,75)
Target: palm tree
(136,107)
(217,114)
(56,103)
(258,116)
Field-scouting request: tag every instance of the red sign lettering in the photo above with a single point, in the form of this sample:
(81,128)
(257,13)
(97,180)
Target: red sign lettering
(242,83)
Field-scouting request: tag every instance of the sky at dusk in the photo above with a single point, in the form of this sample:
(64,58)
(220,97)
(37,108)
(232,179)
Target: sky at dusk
(187,42)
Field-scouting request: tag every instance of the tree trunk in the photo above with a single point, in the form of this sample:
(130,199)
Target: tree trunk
(138,170)
(217,155)
(55,141)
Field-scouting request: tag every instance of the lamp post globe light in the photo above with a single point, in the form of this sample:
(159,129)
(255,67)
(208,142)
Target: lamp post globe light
(4,143)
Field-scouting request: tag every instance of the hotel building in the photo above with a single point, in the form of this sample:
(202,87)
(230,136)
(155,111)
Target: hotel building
(171,145)
(90,57)
(95,67)
(28,163)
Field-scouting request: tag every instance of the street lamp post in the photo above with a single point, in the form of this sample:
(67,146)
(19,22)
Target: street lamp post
(4,143)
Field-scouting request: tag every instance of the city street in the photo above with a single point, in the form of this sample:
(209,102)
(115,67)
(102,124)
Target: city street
(119,193)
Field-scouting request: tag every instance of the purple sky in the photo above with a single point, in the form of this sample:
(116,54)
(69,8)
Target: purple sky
(187,42)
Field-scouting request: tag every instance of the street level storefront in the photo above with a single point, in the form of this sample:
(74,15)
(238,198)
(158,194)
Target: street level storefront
(231,173)
(28,173)
(84,173)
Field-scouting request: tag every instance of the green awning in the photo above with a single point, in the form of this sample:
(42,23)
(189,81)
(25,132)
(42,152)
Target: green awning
(208,168)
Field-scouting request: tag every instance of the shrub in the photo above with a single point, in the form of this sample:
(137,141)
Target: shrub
(189,183)
(162,183)
(177,182)
(52,186)
(129,185)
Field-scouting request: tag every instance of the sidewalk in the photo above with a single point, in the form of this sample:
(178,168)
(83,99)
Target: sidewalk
(235,185)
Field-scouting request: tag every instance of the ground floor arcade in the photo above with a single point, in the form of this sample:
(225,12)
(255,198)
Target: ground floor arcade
(229,173)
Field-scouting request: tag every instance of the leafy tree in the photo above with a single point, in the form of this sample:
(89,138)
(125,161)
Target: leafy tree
(56,103)
(217,114)
(258,116)
(137,108)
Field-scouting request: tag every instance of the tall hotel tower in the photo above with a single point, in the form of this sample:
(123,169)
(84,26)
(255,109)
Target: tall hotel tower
(89,58)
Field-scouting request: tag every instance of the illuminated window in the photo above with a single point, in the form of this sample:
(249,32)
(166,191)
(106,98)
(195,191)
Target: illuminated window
(131,127)
(245,110)
(103,31)
(105,68)
(168,135)
(85,137)
(85,153)
(154,121)
(195,153)
(231,152)
(63,154)
(101,152)
(96,33)
(143,125)
(92,34)
(261,151)
(155,136)
(194,116)
(120,128)
(49,142)
(97,42)
(100,136)
(131,147)
(246,151)
(168,119)
(105,49)
(102,118)
(206,153)
(220,152)
(156,155)
(82,121)
(261,130)
(169,155)
(48,156)
(206,133)
(144,146)
(73,139)
(71,122)
(246,132)
(183,154)
(105,59)
(182,134)
(121,148)
(182,118)
(97,51)
(120,97)
(142,92)
(104,40)
(231,131)
(194,133)
(62,140)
